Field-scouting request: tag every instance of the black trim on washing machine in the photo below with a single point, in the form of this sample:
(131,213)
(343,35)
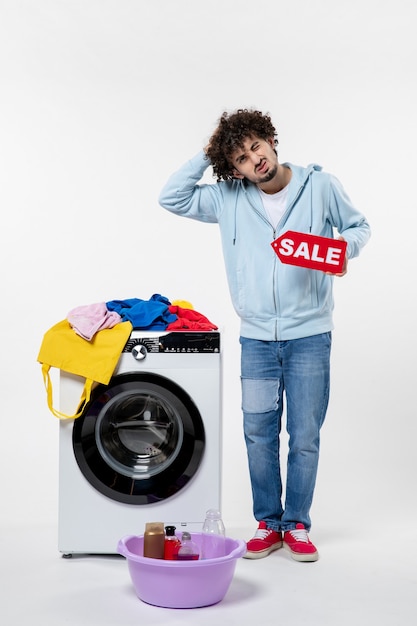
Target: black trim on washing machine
(140,439)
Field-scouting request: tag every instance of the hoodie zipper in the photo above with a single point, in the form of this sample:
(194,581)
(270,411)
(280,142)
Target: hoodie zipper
(275,292)
(275,234)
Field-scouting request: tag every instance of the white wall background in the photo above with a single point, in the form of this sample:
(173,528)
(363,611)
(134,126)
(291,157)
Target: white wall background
(100,101)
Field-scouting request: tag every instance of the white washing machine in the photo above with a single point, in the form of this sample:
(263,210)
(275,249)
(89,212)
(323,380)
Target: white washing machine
(147,446)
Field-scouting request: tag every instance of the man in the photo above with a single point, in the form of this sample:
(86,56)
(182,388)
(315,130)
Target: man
(285,311)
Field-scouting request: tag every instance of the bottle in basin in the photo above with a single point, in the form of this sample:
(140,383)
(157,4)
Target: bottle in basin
(172,543)
(154,540)
(213,536)
(189,550)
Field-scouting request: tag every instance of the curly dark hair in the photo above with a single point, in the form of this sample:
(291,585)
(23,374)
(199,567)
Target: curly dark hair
(232,130)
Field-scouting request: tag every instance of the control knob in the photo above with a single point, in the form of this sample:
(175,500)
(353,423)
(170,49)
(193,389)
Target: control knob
(139,352)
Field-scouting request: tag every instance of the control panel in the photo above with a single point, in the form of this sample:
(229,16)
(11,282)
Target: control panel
(175,342)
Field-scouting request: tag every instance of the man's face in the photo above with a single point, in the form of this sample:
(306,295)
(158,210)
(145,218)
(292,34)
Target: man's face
(256,160)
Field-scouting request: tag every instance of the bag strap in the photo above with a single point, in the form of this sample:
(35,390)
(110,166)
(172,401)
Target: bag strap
(85,396)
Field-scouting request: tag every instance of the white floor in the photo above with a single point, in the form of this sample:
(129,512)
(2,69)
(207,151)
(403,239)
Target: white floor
(358,580)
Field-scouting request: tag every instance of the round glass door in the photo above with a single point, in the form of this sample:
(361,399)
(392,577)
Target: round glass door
(140,439)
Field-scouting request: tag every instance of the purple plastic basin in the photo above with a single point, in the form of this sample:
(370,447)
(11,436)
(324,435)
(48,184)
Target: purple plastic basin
(180,584)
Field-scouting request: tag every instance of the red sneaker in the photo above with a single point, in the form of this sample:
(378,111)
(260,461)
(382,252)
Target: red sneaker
(263,542)
(300,546)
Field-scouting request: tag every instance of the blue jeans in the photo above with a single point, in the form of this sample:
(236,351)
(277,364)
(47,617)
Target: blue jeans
(301,369)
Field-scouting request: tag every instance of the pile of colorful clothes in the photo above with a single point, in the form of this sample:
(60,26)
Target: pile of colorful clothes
(157,313)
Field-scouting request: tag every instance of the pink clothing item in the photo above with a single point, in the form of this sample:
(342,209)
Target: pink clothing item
(88,319)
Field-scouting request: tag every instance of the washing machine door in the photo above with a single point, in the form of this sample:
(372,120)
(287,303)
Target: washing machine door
(140,439)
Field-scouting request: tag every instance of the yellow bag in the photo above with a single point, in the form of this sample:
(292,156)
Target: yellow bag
(93,360)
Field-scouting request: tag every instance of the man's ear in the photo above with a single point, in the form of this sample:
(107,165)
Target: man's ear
(237,174)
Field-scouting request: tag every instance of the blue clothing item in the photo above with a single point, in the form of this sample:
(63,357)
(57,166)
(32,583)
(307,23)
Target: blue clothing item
(301,369)
(274,301)
(152,314)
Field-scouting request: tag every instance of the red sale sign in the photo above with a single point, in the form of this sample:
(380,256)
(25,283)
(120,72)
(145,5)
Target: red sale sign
(311,251)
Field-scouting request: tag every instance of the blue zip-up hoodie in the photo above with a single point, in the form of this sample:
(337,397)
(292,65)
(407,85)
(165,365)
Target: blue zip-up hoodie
(275,301)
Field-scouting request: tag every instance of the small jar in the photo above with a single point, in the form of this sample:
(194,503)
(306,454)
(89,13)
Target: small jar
(189,550)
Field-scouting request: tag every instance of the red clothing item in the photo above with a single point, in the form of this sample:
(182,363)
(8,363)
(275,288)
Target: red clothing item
(189,319)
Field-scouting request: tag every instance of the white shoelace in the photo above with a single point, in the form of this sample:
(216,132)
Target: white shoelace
(262,533)
(299,534)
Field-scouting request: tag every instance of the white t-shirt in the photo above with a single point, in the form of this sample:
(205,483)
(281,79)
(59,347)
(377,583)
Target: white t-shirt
(274,204)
